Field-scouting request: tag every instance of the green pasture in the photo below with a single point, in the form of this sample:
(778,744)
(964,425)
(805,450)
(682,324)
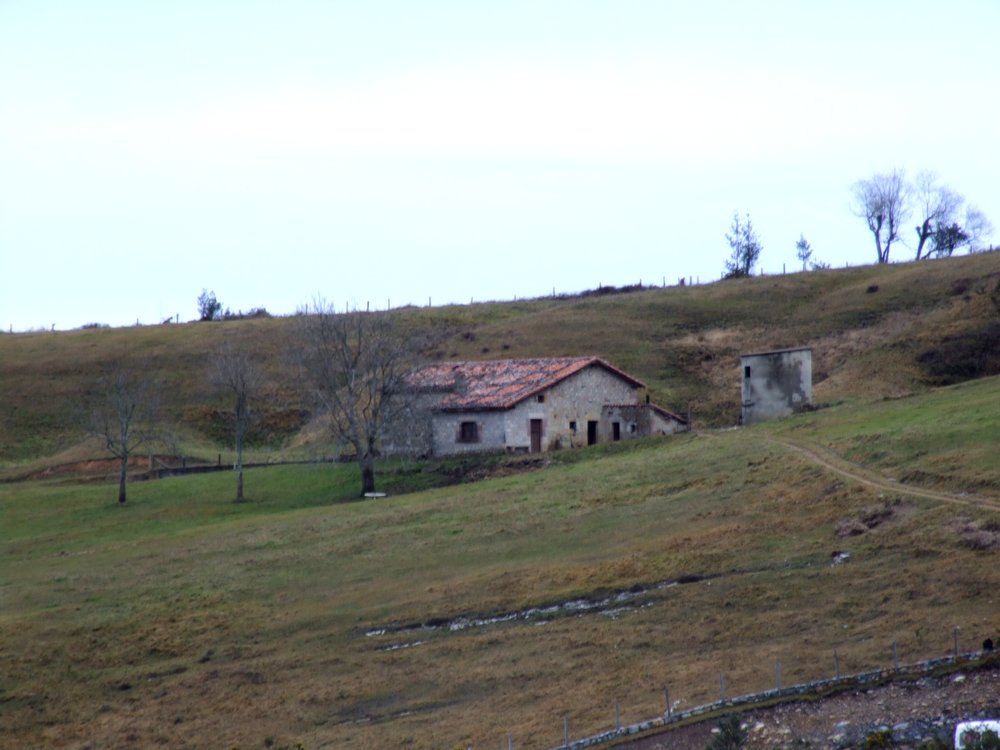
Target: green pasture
(184,618)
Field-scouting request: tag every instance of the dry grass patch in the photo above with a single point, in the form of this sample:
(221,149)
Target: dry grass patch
(978,535)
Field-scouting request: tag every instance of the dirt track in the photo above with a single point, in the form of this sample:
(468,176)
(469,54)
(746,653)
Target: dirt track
(846,469)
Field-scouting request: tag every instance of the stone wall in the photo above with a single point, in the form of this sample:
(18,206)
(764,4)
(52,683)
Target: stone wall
(565,409)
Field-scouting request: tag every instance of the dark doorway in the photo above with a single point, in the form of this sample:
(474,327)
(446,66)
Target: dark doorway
(536,436)
(616,431)
(591,433)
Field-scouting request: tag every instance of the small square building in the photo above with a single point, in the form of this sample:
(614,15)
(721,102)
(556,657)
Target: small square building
(775,384)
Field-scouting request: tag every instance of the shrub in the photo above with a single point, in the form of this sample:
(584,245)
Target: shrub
(209,308)
(879,739)
(730,735)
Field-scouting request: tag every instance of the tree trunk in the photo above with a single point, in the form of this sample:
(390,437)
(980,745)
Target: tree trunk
(239,468)
(122,478)
(367,462)
(923,233)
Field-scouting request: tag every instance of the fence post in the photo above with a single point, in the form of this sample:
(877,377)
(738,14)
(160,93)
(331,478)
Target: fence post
(722,686)
(510,742)
(777,673)
(895,656)
(836,664)
(954,633)
(666,698)
(566,731)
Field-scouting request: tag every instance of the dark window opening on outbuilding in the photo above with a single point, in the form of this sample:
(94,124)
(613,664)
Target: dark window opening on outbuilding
(746,372)
(572,427)
(468,432)
(540,398)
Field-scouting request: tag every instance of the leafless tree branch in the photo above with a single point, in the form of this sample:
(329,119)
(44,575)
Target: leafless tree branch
(236,374)
(124,406)
(355,364)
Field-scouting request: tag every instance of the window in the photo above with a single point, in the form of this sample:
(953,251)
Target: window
(616,431)
(540,398)
(746,372)
(468,432)
(572,427)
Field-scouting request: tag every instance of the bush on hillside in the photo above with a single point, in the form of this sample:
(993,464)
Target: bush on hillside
(729,735)
(209,308)
(964,356)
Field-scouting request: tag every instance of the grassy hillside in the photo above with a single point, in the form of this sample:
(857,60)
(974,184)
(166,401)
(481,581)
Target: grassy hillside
(185,619)
(876,331)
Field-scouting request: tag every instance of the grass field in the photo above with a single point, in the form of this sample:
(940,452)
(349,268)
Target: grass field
(450,616)
(186,620)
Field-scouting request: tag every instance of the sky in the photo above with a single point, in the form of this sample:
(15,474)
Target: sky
(382,153)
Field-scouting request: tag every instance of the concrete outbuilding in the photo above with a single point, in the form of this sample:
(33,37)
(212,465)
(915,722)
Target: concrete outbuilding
(775,384)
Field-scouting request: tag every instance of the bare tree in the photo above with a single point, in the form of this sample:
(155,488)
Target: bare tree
(235,373)
(936,207)
(882,201)
(124,408)
(745,247)
(356,364)
(978,228)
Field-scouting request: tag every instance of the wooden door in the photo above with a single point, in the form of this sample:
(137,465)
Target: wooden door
(536,436)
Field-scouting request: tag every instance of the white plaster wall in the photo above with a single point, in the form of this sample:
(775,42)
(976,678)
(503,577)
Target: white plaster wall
(579,398)
(780,384)
(445,427)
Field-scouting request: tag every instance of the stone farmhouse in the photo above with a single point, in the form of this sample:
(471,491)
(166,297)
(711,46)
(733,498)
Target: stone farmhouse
(524,405)
(775,384)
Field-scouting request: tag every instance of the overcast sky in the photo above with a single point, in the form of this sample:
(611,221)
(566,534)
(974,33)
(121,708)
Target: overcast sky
(385,152)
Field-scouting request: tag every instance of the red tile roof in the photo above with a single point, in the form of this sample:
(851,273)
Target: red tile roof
(502,383)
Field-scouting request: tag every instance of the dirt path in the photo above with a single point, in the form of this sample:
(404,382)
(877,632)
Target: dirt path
(832,462)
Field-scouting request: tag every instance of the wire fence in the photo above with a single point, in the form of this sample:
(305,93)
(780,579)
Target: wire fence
(778,694)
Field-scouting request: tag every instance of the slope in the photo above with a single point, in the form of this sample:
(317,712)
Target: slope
(431,619)
(876,331)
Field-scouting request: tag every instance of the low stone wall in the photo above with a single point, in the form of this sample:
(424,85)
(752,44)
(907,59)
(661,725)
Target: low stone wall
(771,697)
